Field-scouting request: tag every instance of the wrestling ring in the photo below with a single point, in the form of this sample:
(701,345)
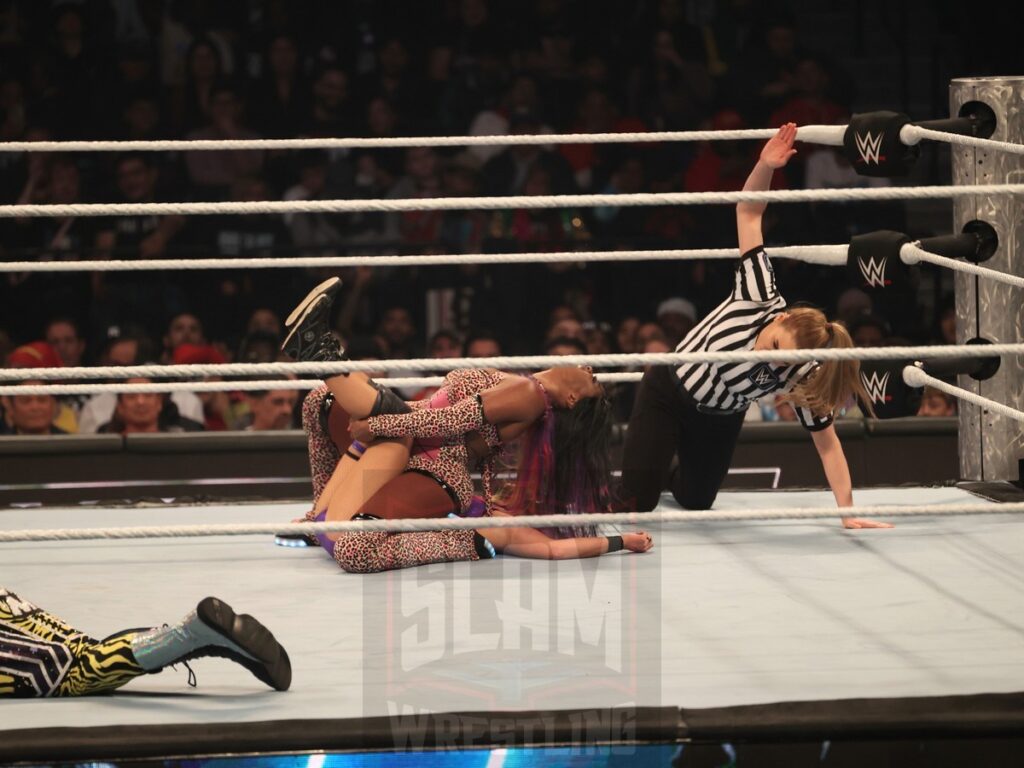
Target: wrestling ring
(756,631)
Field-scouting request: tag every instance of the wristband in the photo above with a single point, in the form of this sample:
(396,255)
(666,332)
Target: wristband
(614,543)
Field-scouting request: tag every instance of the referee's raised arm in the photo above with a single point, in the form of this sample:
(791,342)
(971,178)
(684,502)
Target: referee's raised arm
(776,154)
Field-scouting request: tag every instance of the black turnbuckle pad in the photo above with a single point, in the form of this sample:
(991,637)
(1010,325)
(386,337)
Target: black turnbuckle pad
(977,242)
(975,118)
(873,259)
(873,145)
(978,368)
(888,394)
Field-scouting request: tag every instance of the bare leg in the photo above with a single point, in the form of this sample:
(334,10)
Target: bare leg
(358,481)
(353,393)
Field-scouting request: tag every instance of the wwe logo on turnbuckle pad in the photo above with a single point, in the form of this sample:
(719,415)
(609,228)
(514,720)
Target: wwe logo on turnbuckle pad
(873,271)
(876,386)
(869,147)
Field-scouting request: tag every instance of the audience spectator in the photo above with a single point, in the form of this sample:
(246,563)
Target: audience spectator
(935,402)
(483,344)
(626,334)
(315,233)
(204,68)
(259,347)
(39,354)
(676,316)
(852,304)
(869,331)
(597,337)
(444,344)
(564,345)
(398,333)
(330,113)
(63,335)
(120,297)
(264,320)
(648,332)
(124,350)
(29,414)
(945,326)
(280,98)
(183,328)
(272,409)
(214,173)
(217,407)
(137,412)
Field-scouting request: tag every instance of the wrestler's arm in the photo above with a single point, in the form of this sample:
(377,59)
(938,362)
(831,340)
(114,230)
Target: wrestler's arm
(511,402)
(531,543)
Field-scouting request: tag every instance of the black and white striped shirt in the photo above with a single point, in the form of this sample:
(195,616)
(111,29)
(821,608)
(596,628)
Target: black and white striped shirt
(734,325)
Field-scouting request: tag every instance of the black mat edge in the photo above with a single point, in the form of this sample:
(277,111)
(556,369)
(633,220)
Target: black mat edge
(983,715)
(1000,491)
(980,716)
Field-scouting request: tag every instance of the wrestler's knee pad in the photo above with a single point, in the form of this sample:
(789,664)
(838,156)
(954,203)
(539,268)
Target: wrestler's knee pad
(387,401)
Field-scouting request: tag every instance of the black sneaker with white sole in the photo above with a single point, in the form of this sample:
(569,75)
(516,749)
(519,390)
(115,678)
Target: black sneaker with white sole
(309,336)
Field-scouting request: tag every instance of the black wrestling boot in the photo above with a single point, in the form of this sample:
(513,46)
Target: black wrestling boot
(260,653)
(214,629)
(309,338)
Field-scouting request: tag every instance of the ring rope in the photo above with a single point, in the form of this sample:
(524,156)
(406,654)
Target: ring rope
(411,525)
(398,205)
(915,377)
(790,356)
(242,386)
(911,253)
(830,255)
(817,134)
(912,134)
(831,135)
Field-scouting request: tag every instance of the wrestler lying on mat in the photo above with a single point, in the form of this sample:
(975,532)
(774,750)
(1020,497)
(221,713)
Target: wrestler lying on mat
(42,655)
(414,459)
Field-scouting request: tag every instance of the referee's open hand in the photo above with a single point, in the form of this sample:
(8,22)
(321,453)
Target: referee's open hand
(779,149)
(856,523)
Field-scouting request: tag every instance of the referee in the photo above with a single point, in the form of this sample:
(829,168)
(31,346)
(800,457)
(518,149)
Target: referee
(695,411)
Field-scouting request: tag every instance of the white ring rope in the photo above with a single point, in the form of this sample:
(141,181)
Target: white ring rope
(411,525)
(912,253)
(815,134)
(829,255)
(912,134)
(244,386)
(915,377)
(536,362)
(831,135)
(398,205)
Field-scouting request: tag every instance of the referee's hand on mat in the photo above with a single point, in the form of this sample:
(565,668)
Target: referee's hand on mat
(862,522)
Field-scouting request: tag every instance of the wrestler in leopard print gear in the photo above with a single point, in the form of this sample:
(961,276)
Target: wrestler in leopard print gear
(378,551)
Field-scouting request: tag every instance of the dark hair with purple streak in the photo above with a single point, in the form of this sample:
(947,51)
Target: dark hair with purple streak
(565,465)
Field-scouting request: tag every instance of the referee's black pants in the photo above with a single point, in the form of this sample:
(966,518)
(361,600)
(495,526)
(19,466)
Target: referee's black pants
(666,422)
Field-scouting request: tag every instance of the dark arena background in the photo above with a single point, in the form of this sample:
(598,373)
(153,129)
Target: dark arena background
(476,189)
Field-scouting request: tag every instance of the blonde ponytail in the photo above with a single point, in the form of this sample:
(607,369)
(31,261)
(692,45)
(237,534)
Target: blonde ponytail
(834,383)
